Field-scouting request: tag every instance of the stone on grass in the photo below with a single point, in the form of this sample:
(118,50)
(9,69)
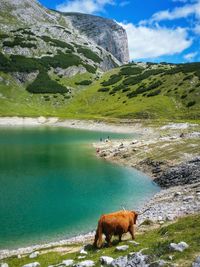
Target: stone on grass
(122,248)
(81,257)
(83,251)
(134,243)
(34,255)
(105,260)
(33,264)
(159,263)
(4,265)
(68,262)
(119,262)
(178,247)
(196,263)
(87,263)
(138,259)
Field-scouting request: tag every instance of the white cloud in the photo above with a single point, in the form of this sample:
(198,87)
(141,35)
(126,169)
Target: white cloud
(179,12)
(189,57)
(124,3)
(149,43)
(84,6)
(197,29)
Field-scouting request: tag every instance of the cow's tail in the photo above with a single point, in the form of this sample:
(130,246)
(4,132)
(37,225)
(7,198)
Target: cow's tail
(98,235)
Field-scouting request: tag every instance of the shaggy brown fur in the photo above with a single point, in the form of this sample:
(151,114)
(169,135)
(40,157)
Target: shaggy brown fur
(116,223)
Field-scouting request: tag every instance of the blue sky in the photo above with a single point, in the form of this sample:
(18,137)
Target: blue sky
(158,30)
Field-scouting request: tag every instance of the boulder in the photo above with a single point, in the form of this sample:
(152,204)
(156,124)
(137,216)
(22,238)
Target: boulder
(196,263)
(138,260)
(105,260)
(33,264)
(83,251)
(159,263)
(34,255)
(68,262)
(122,248)
(178,247)
(119,262)
(87,263)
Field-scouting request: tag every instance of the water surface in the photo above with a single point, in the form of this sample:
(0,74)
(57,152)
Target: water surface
(53,186)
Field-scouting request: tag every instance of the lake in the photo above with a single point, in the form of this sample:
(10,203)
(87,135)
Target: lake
(53,186)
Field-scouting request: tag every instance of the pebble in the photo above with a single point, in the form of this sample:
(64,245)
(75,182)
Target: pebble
(87,263)
(179,247)
(134,243)
(122,248)
(106,260)
(68,262)
(83,251)
(34,255)
(33,264)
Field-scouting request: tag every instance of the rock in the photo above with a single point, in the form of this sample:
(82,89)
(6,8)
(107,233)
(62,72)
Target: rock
(42,119)
(4,265)
(81,257)
(122,248)
(19,256)
(33,264)
(87,263)
(34,255)
(134,243)
(83,251)
(196,263)
(178,247)
(158,263)
(137,260)
(68,262)
(105,260)
(119,262)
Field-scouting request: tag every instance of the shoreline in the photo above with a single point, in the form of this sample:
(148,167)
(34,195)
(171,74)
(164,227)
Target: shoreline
(161,203)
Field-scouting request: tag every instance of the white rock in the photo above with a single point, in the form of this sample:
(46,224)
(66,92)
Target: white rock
(68,262)
(178,247)
(122,248)
(105,260)
(33,264)
(196,263)
(134,243)
(81,257)
(34,255)
(19,256)
(42,119)
(83,251)
(4,265)
(87,263)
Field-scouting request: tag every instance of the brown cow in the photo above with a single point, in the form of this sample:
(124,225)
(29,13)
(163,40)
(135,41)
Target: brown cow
(116,223)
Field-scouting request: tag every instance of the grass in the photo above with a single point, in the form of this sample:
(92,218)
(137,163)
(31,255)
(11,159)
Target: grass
(155,240)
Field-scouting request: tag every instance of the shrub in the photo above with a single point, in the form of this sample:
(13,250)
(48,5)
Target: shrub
(130,71)
(183,96)
(89,54)
(113,79)
(3,36)
(4,62)
(90,68)
(154,93)
(106,89)
(85,82)
(190,104)
(43,84)
(58,43)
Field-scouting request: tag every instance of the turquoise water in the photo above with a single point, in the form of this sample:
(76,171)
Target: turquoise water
(53,186)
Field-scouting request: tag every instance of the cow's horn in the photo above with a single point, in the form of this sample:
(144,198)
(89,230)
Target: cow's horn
(140,213)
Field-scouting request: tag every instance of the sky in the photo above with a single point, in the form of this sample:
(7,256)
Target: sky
(158,30)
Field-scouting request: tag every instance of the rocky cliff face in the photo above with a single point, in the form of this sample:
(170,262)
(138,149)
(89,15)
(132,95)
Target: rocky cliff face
(28,29)
(104,32)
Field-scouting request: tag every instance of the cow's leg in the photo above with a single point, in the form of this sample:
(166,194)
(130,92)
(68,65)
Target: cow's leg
(108,239)
(131,231)
(120,237)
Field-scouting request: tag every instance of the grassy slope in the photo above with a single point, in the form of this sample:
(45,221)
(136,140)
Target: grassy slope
(175,92)
(156,241)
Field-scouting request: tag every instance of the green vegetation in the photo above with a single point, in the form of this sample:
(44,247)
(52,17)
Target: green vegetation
(85,82)
(89,54)
(19,41)
(57,43)
(155,240)
(43,84)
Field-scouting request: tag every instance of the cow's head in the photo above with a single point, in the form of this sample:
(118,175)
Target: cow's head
(135,215)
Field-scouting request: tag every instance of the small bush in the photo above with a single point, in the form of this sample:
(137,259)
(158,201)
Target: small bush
(154,93)
(43,84)
(130,71)
(106,89)
(190,104)
(113,79)
(89,54)
(183,96)
(90,68)
(85,82)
